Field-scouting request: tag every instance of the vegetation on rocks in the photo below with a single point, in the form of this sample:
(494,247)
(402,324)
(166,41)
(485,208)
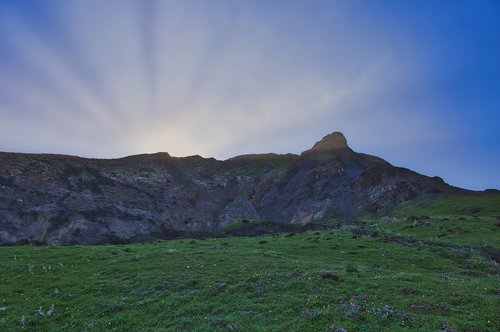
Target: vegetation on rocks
(54,199)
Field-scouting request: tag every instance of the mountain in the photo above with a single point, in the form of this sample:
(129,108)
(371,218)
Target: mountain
(57,199)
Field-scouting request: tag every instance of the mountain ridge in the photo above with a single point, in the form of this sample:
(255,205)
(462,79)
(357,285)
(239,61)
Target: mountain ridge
(59,199)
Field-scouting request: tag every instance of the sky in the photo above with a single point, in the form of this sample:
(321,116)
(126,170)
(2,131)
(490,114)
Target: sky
(414,82)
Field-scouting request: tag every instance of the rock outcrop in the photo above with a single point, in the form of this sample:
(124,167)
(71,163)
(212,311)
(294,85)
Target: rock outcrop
(330,144)
(55,199)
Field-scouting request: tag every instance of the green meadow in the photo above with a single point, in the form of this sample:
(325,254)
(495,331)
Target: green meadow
(427,266)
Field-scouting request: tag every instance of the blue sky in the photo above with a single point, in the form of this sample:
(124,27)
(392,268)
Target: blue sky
(414,82)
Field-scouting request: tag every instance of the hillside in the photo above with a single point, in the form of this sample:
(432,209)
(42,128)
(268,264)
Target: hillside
(428,267)
(56,199)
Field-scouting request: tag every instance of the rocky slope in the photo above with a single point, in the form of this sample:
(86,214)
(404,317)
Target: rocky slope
(55,199)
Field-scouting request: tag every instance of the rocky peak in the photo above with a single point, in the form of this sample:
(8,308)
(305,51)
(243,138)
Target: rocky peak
(334,142)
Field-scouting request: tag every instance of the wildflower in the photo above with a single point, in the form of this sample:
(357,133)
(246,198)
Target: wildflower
(40,312)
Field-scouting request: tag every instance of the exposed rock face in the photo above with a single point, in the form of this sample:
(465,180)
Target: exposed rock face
(239,209)
(330,144)
(54,199)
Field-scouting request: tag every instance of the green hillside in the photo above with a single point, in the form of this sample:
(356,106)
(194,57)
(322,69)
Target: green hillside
(394,274)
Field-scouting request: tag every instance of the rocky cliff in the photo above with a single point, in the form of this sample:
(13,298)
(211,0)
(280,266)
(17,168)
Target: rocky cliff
(55,199)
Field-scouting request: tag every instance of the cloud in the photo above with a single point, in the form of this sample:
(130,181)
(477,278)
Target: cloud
(215,77)
(113,78)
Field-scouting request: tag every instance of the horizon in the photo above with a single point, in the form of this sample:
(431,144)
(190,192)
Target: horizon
(298,154)
(415,84)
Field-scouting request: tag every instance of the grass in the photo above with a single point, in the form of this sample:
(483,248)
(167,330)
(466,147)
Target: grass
(311,281)
(472,231)
(88,177)
(233,226)
(462,220)
(481,204)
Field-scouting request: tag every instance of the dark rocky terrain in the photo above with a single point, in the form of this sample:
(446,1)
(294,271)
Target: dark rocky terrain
(56,199)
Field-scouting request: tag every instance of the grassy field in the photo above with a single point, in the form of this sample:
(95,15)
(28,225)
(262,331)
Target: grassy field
(408,276)
(467,220)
